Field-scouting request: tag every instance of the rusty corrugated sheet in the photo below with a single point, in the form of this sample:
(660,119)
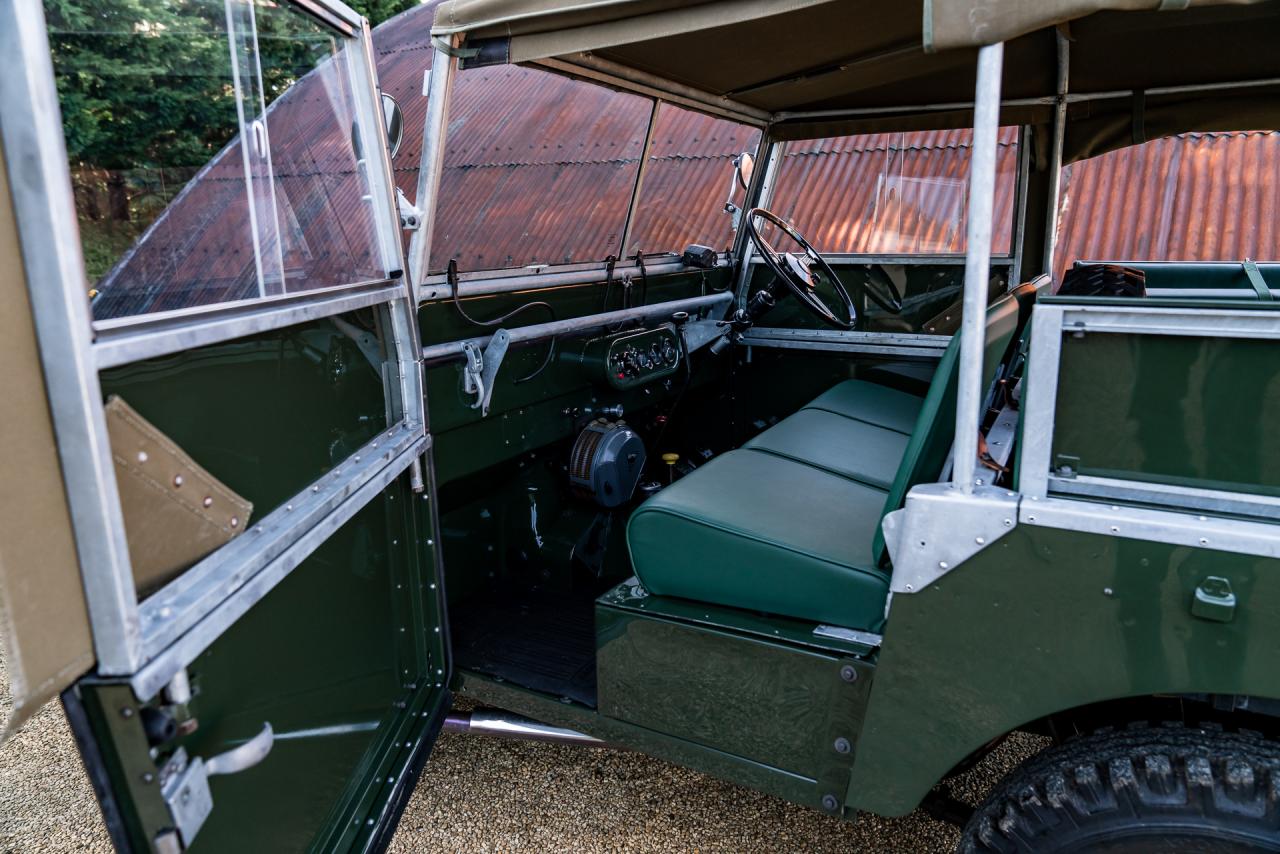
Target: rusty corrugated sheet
(891,192)
(539,169)
(1195,197)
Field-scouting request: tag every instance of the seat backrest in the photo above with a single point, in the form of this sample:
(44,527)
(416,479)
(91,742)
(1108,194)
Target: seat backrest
(935,427)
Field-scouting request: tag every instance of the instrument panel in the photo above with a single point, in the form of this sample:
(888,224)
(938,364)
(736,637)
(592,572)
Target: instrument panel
(628,359)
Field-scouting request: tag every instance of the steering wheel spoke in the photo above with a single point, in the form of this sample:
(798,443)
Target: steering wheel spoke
(802,273)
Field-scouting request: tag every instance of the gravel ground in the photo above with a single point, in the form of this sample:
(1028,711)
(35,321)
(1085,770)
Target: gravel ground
(480,794)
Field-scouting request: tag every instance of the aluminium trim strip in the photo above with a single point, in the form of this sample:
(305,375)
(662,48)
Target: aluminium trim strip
(189,598)
(1216,501)
(1161,526)
(214,610)
(1206,322)
(185,330)
(1040,403)
(838,336)
(40,189)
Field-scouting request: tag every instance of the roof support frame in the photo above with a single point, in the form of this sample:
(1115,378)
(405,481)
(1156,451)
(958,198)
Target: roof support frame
(1039,101)
(439,83)
(1055,157)
(591,67)
(982,180)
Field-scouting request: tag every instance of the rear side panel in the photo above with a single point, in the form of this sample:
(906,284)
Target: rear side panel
(1045,620)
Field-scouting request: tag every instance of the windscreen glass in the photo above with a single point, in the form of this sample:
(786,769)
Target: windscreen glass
(892,193)
(538,169)
(688,177)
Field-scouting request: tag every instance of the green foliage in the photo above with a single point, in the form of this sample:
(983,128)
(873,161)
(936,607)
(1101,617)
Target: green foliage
(378,11)
(142,84)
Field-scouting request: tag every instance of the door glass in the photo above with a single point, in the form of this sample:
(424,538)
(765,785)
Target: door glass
(149,117)
(209,165)
(324,212)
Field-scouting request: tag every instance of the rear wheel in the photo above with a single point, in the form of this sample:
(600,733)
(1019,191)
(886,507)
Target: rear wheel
(1176,790)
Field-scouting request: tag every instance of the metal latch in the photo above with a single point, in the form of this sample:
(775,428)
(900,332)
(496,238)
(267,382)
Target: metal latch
(481,369)
(1214,600)
(1066,466)
(410,214)
(184,783)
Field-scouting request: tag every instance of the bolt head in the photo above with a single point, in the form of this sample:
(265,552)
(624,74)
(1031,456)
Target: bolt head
(849,673)
(842,745)
(830,803)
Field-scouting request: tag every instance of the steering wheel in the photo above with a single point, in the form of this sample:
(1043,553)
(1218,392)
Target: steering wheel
(797,271)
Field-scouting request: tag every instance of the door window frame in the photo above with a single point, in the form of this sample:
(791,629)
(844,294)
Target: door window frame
(154,640)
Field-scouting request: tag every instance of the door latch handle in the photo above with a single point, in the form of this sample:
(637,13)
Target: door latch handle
(245,756)
(184,784)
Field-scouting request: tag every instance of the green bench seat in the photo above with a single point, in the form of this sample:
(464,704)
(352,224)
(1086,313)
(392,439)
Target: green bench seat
(789,524)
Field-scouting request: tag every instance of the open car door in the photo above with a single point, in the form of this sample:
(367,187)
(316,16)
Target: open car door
(218,541)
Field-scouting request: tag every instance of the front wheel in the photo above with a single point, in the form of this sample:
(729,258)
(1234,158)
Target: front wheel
(1176,790)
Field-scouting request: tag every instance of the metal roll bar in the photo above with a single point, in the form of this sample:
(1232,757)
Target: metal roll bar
(438,353)
(982,182)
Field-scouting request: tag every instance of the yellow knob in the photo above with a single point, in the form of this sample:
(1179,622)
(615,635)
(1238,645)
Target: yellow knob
(670,459)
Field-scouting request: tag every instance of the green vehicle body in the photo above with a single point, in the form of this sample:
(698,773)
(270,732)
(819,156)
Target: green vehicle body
(1037,626)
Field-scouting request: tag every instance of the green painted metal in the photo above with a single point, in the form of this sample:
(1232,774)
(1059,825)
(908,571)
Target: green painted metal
(765,700)
(343,657)
(266,415)
(1184,410)
(631,595)
(1046,620)
(789,786)
(527,415)
(1198,274)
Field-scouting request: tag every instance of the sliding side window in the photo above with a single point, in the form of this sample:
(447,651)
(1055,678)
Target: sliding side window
(213,150)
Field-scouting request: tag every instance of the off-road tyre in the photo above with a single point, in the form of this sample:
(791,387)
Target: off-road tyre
(1174,790)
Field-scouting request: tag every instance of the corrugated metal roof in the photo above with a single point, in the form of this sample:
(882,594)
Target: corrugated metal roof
(539,169)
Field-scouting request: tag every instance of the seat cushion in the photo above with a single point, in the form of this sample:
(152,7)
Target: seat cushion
(841,445)
(874,404)
(755,530)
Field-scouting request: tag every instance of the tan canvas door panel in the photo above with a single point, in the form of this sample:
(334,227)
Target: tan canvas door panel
(44,626)
(175,512)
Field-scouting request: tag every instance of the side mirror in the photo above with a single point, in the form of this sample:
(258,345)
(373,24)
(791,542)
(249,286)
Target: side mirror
(743,165)
(392,119)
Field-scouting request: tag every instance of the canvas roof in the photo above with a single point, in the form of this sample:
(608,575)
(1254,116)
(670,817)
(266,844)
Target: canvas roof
(818,67)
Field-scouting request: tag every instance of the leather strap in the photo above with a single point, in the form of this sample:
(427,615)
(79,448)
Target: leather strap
(1255,278)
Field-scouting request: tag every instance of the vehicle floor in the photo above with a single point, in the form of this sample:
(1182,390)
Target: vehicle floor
(542,641)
